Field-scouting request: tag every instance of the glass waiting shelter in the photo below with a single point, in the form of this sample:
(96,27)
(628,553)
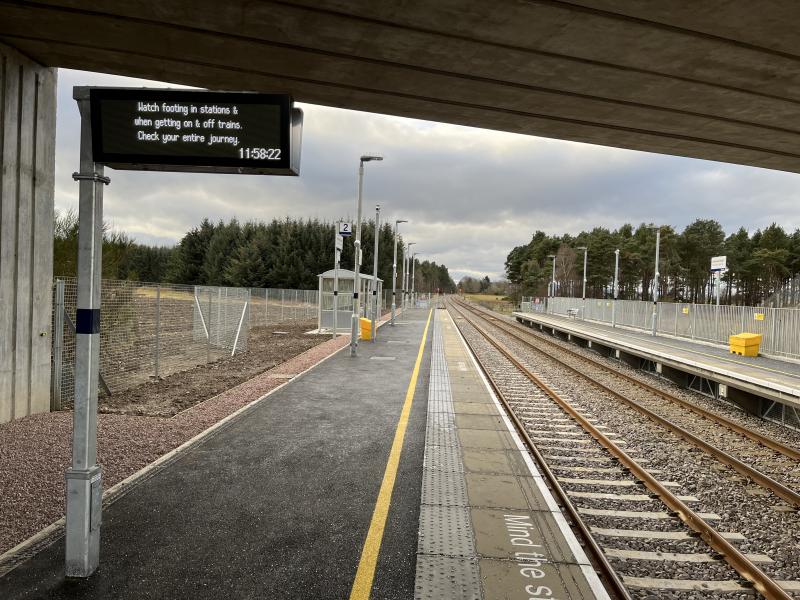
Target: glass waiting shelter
(344,311)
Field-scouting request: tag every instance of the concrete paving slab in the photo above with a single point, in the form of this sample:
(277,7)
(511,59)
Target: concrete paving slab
(528,578)
(483,461)
(495,491)
(480,422)
(474,408)
(503,533)
(485,438)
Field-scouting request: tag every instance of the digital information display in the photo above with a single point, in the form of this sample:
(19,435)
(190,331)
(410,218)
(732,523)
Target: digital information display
(196,131)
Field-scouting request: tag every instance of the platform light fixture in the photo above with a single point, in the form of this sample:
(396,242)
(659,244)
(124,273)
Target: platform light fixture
(553,280)
(583,293)
(616,289)
(407,272)
(394,269)
(413,273)
(357,277)
(656,275)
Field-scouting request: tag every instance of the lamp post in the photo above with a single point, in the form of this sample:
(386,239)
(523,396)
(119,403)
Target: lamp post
(553,279)
(374,300)
(407,287)
(655,280)
(394,269)
(616,289)
(404,252)
(357,265)
(583,294)
(413,272)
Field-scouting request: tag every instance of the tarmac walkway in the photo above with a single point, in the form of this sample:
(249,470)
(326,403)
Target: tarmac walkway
(771,378)
(316,487)
(489,527)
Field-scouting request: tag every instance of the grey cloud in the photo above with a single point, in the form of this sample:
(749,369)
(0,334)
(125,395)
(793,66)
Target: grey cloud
(471,195)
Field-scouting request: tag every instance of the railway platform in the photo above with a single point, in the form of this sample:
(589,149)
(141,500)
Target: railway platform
(761,385)
(489,527)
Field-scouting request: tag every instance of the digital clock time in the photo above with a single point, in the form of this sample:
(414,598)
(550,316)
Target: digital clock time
(260,153)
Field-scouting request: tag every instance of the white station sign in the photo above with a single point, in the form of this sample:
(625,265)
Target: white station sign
(719,263)
(345,229)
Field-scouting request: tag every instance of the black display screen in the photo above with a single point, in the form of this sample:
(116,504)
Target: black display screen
(188,130)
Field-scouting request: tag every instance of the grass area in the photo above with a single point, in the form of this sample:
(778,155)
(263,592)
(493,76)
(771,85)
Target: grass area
(166,293)
(484,297)
(493,302)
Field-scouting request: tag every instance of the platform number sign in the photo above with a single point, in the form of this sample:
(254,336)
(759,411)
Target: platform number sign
(345,229)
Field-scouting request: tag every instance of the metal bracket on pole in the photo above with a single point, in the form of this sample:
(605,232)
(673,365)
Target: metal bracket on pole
(96,177)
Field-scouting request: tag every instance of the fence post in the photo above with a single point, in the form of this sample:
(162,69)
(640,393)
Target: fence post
(220,318)
(208,339)
(773,341)
(692,308)
(676,319)
(158,327)
(266,306)
(241,321)
(58,346)
(283,300)
(296,293)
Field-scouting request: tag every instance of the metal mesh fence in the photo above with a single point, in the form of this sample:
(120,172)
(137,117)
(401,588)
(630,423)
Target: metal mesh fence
(148,331)
(270,306)
(152,330)
(531,304)
(779,327)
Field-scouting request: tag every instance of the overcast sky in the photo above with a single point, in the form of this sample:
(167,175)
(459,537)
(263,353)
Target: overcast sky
(470,194)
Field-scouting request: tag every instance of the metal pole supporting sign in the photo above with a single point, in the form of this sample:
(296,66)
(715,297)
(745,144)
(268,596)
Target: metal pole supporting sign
(374,310)
(84,478)
(113,136)
(338,244)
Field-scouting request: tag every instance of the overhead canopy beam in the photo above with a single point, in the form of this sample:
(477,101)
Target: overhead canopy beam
(705,80)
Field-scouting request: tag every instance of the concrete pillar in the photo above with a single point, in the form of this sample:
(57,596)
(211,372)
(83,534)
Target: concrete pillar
(27,148)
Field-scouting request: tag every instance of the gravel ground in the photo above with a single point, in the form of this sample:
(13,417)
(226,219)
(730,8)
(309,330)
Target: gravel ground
(268,346)
(763,519)
(35,451)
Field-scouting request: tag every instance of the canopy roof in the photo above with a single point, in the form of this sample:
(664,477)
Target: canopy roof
(347,274)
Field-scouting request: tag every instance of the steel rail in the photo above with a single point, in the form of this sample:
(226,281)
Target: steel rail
(764,440)
(785,493)
(607,572)
(765,585)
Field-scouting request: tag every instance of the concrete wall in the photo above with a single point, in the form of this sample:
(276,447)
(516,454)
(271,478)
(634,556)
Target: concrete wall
(27,147)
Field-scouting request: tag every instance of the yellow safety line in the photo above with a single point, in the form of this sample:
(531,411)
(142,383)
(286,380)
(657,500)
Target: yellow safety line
(362,585)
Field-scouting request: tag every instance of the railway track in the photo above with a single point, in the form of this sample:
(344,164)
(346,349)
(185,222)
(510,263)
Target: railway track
(778,469)
(670,553)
